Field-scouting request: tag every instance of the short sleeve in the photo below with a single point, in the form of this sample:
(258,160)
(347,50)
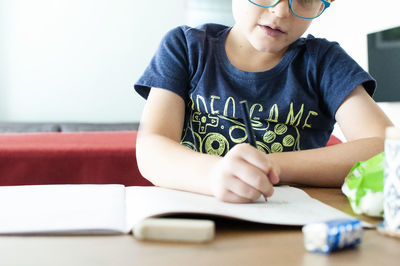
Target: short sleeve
(339,75)
(168,68)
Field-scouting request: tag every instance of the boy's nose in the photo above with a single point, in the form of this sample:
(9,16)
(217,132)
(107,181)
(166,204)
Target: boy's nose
(282,9)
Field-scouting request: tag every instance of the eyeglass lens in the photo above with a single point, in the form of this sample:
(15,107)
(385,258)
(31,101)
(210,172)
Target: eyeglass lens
(302,8)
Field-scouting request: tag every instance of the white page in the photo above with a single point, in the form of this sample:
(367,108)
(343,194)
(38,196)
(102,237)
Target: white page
(62,209)
(287,206)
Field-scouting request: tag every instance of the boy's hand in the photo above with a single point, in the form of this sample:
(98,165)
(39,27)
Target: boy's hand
(243,175)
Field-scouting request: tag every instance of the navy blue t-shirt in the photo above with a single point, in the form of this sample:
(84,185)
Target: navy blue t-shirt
(292,106)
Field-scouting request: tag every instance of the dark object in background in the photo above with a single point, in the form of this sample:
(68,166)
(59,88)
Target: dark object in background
(384,63)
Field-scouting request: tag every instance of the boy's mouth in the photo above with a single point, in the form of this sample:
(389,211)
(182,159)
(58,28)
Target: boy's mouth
(272,31)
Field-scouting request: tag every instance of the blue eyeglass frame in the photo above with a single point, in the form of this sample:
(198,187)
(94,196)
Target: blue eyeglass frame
(326,5)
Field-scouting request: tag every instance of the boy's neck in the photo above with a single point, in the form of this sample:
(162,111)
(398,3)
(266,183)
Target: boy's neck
(245,57)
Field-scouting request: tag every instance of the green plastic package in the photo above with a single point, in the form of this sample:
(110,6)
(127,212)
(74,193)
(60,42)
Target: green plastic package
(363,186)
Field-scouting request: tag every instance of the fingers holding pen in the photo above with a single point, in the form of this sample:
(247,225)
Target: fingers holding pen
(262,162)
(235,190)
(256,170)
(243,175)
(267,166)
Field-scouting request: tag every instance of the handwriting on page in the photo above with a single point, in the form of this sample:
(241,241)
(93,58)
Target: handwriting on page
(287,206)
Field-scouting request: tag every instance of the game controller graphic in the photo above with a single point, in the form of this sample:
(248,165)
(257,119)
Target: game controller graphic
(200,135)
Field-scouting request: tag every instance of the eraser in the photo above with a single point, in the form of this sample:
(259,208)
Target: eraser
(175,229)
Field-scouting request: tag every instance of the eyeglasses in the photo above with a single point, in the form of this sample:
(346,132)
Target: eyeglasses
(307,9)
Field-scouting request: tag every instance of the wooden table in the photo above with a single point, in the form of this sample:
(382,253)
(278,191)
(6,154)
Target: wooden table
(236,243)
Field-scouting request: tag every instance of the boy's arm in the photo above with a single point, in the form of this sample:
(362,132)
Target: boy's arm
(165,162)
(363,124)
(158,152)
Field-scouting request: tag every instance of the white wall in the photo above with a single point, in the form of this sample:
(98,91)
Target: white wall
(205,11)
(2,65)
(76,60)
(349,21)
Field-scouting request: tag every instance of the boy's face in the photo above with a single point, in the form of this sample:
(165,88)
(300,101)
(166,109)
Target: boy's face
(269,30)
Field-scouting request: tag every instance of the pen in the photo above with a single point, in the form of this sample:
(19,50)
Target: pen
(247,123)
(250,132)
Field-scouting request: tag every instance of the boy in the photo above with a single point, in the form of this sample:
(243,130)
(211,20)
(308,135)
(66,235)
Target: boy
(192,133)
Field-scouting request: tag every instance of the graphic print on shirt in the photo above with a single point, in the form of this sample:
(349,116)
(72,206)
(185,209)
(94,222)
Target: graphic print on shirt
(215,131)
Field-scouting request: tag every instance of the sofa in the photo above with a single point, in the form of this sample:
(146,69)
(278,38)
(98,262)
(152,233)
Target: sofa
(71,153)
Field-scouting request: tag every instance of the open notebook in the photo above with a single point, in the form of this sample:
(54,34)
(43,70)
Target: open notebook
(115,209)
